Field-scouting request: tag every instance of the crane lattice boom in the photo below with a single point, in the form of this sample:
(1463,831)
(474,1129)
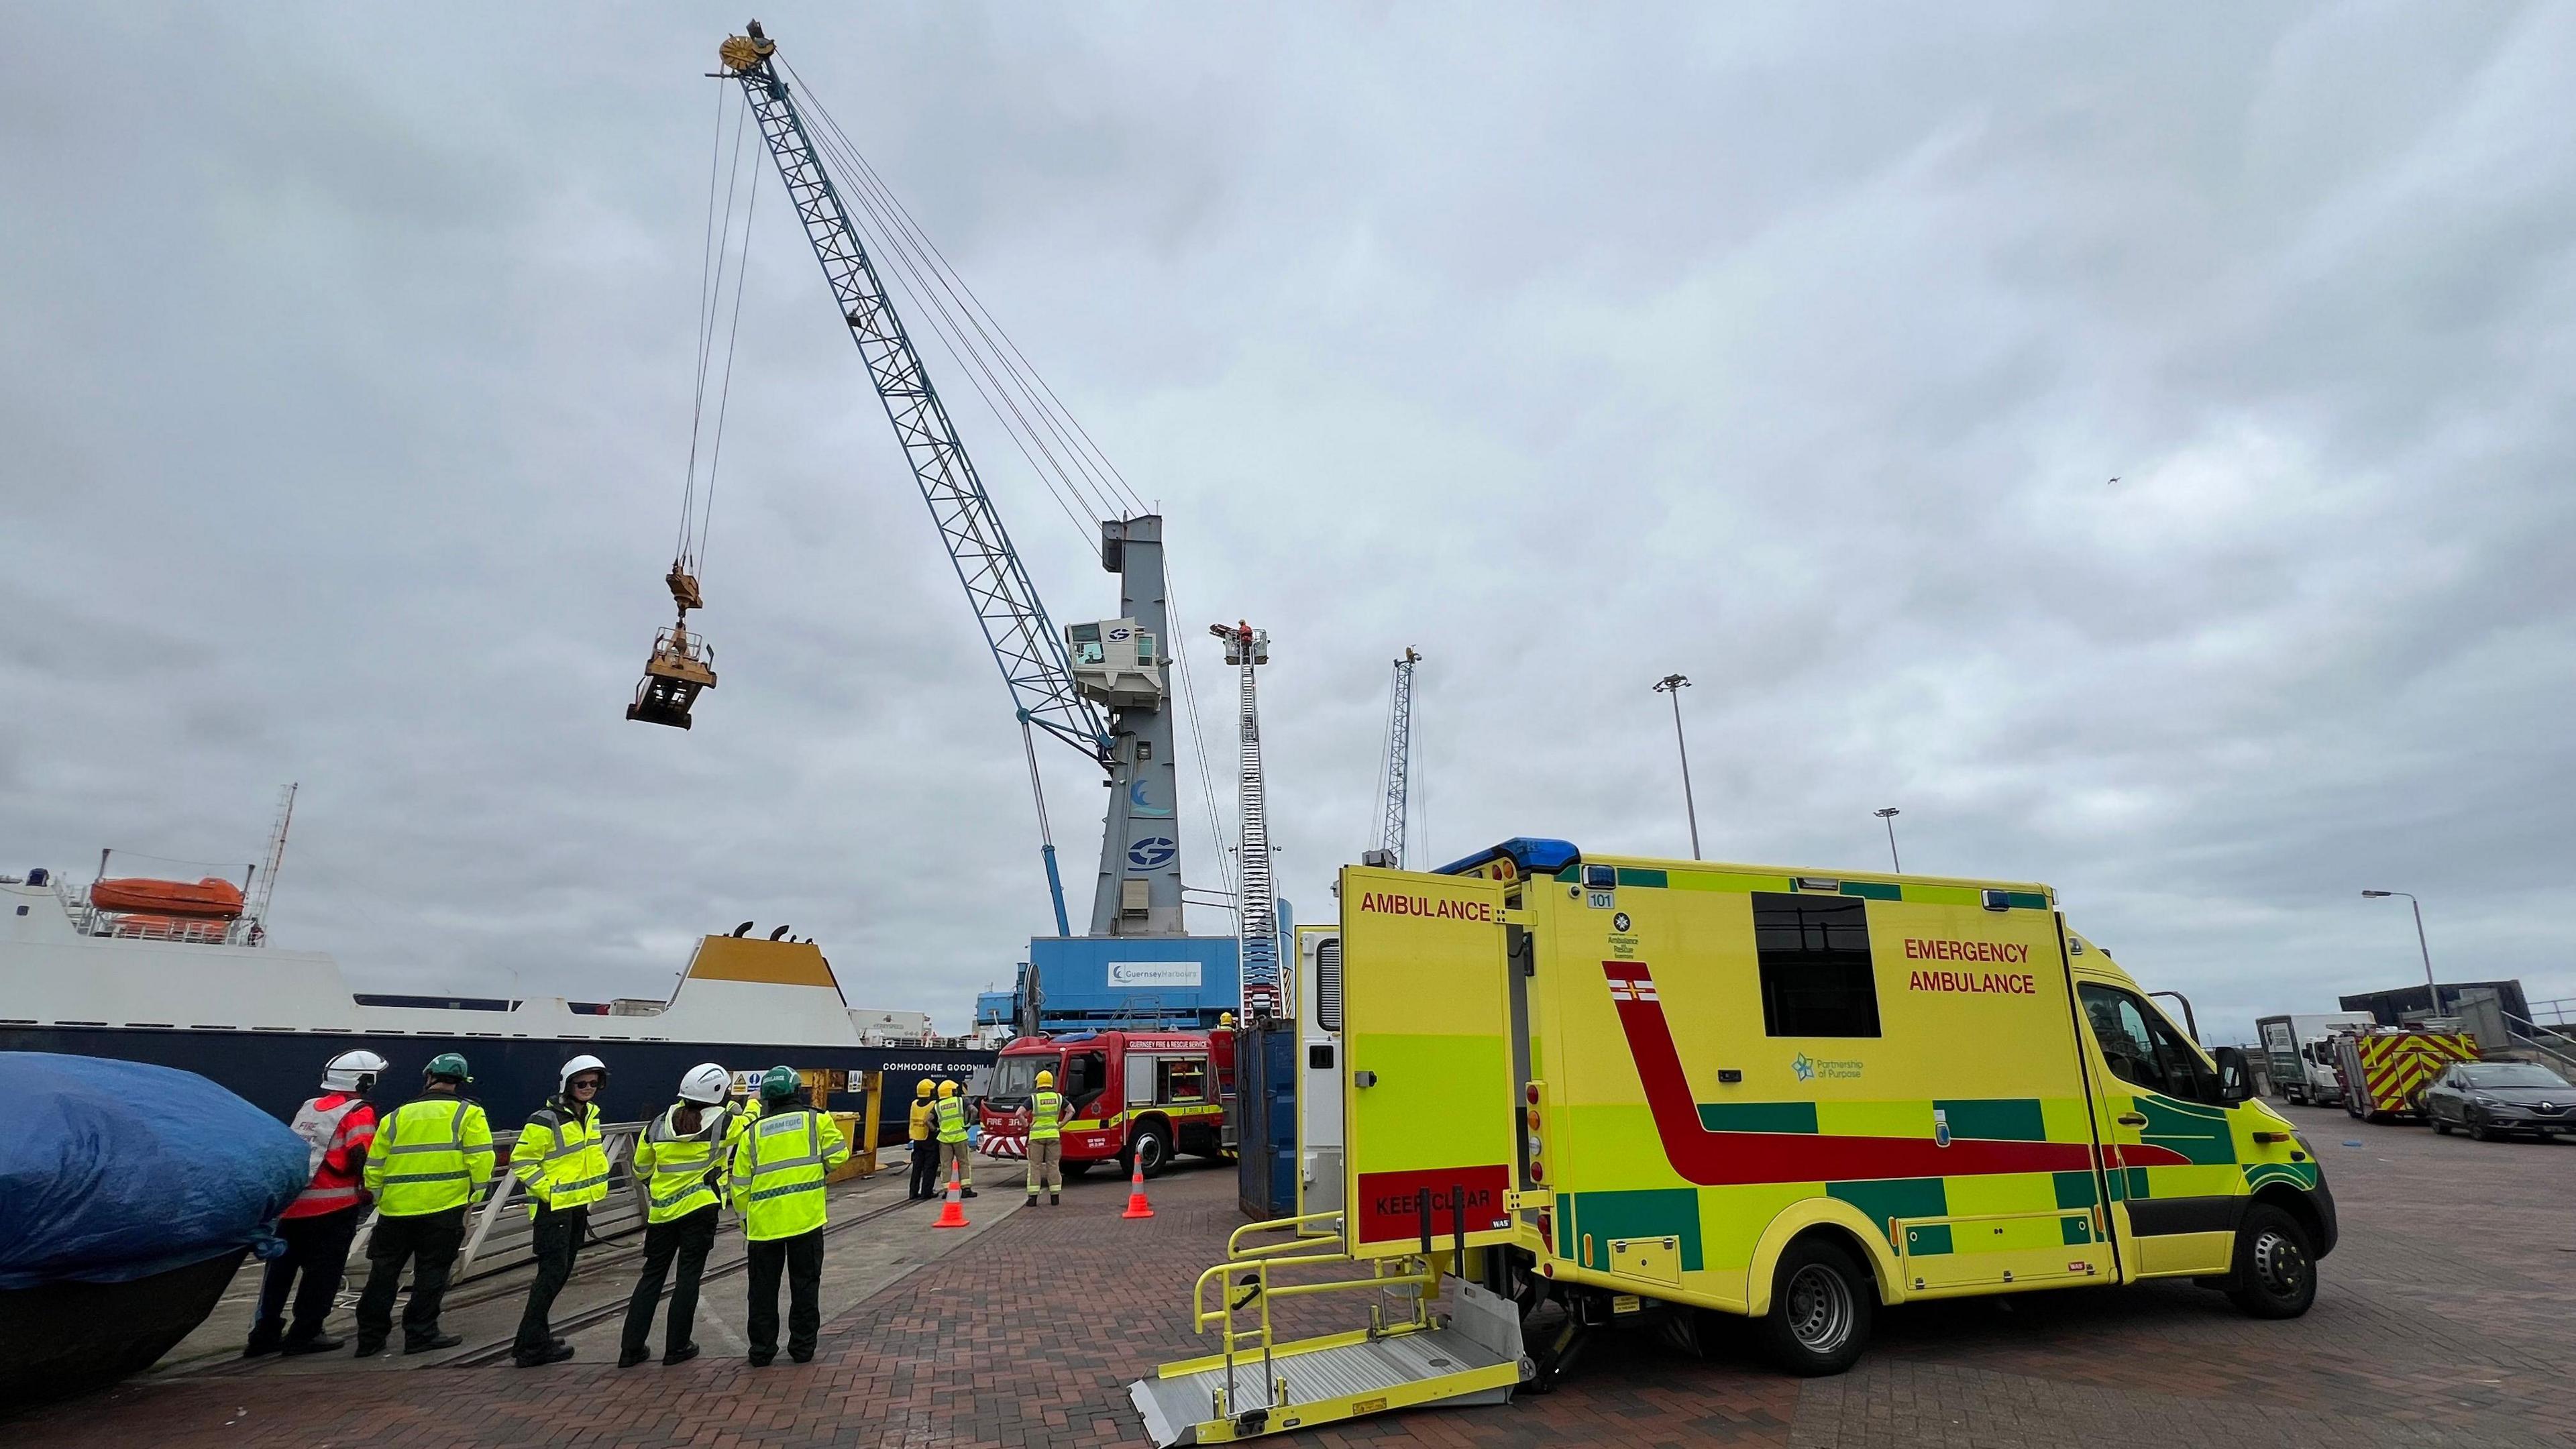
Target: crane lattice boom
(1025,645)
(1258,916)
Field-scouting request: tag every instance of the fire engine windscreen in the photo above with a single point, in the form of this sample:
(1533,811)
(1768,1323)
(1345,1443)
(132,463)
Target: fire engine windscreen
(1078,1075)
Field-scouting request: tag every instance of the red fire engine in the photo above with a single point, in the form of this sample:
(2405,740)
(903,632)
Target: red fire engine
(1135,1096)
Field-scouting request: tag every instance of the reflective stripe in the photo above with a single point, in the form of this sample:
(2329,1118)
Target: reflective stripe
(561,1188)
(785,1188)
(427,1177)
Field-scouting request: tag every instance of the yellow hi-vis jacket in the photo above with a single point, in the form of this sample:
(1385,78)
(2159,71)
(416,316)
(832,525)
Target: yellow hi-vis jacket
(560,1159)
(952,1118)
(779,1163)
(431,1154)
(680,1170)
(1046,1115)
(922,1111)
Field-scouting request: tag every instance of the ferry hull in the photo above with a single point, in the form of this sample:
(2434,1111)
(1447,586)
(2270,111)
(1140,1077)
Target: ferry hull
(513,1076)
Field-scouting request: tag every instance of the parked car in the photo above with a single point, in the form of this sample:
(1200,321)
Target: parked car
(2490,1099)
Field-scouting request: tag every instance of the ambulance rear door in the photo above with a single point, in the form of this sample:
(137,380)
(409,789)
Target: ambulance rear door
(1430,1091)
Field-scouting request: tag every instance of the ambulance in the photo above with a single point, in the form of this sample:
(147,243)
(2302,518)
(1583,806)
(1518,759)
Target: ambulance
(1585,1090)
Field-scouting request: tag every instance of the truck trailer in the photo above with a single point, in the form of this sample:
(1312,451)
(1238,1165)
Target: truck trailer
(1584,1090)
(2298,1051)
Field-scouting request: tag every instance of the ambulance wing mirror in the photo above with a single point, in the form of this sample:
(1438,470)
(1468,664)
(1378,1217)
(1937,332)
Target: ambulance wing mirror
(2234,1084)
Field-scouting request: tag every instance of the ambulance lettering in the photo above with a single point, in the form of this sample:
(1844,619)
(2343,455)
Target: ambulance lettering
(1387,903)
(1725,1159)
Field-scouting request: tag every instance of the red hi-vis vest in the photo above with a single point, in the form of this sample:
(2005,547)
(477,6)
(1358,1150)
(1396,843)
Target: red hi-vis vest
(339,1129)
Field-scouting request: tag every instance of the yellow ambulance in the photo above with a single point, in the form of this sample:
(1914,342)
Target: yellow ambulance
(1635,1086)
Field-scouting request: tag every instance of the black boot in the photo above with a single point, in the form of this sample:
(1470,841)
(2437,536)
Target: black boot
(1051,1200)
(630,1357)
(682,1354)
(318,1343)
(554,1353)
(431,1344)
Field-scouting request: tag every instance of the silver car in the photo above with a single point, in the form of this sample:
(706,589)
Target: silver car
(2490,1099)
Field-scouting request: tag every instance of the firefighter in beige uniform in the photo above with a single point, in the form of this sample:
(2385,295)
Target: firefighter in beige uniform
(1046,1139)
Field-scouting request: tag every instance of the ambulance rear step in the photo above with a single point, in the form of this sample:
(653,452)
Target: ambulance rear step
(1473,1358)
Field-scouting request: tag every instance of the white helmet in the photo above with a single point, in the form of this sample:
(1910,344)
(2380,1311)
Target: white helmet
(706,1084)
(578,1065)
(351,1071)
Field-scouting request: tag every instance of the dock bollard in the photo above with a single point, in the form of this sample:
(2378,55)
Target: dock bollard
(953,1214)
(1137,1207)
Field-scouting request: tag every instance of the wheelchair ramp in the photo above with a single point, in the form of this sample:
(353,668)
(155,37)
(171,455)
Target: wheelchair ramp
(1474,1358)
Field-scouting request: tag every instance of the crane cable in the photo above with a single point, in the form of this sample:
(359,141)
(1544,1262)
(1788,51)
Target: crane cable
(721,253)
(1070,464)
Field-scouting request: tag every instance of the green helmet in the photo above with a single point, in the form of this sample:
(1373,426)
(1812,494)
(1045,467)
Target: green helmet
(447,1066)
(778,1084)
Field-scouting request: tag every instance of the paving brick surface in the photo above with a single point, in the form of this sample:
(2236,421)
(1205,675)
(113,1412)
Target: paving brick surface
(2444,1321)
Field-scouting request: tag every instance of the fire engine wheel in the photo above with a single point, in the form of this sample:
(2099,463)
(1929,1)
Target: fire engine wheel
(1152,1150)
(2275,1275)
(1820,1310)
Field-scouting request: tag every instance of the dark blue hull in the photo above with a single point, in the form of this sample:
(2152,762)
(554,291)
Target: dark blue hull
(513,1076)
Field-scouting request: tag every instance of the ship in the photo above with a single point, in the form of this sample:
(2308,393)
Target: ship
(178,974)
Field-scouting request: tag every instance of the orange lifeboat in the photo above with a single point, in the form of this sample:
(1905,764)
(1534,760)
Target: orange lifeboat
(211,898)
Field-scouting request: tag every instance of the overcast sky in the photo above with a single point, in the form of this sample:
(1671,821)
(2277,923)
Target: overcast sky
(346,384)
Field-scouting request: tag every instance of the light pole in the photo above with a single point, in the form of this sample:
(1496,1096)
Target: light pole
(2432,994)
(1889,815)
(1674,684)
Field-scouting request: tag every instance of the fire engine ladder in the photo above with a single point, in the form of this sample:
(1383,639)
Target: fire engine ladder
(1413,1353)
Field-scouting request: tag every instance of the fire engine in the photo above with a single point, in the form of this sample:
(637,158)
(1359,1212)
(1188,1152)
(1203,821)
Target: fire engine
(1136,1097)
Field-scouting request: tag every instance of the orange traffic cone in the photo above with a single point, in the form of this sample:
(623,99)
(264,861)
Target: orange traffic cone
(953,1215)
(1137,1207)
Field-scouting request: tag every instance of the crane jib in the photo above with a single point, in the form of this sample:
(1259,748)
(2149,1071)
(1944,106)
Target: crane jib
(1026,647)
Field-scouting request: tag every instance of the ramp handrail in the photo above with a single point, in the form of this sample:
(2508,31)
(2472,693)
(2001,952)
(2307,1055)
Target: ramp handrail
(1234,1244)
(622,1212)
(1424,1280)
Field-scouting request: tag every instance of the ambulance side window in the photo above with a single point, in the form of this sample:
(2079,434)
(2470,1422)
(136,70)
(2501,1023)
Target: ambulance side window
(2140,1048)
(1817,979)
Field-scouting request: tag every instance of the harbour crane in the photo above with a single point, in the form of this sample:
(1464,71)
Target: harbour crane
(1399,768)
(1098,687)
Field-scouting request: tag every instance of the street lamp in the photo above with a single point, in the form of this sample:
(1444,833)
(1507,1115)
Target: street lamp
(2432,994)
(1674,684)
(1889,815)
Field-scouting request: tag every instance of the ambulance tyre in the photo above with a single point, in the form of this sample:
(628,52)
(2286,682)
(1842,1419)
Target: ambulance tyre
(1821,1305)
(2276,1274)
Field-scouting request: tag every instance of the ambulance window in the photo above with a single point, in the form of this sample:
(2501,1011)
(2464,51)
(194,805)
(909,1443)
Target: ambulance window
(1816,974)
(2141,1048)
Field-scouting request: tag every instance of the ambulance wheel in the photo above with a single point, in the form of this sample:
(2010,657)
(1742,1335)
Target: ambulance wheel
(1821,1305)
(2276,1274)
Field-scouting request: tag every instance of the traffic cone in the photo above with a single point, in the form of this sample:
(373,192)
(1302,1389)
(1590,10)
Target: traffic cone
(953,1215)
(1137,1207)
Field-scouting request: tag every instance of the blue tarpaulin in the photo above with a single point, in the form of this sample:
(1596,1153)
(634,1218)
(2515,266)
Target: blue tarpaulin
(112,1171)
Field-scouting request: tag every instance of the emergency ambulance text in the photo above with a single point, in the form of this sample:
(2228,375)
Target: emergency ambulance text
(2009,983)
(2009,953)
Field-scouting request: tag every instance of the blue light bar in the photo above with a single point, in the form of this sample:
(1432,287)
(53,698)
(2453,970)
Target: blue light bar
(1534,855)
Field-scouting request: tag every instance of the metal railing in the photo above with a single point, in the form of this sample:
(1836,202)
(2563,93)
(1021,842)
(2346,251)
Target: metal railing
(1413,1282)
